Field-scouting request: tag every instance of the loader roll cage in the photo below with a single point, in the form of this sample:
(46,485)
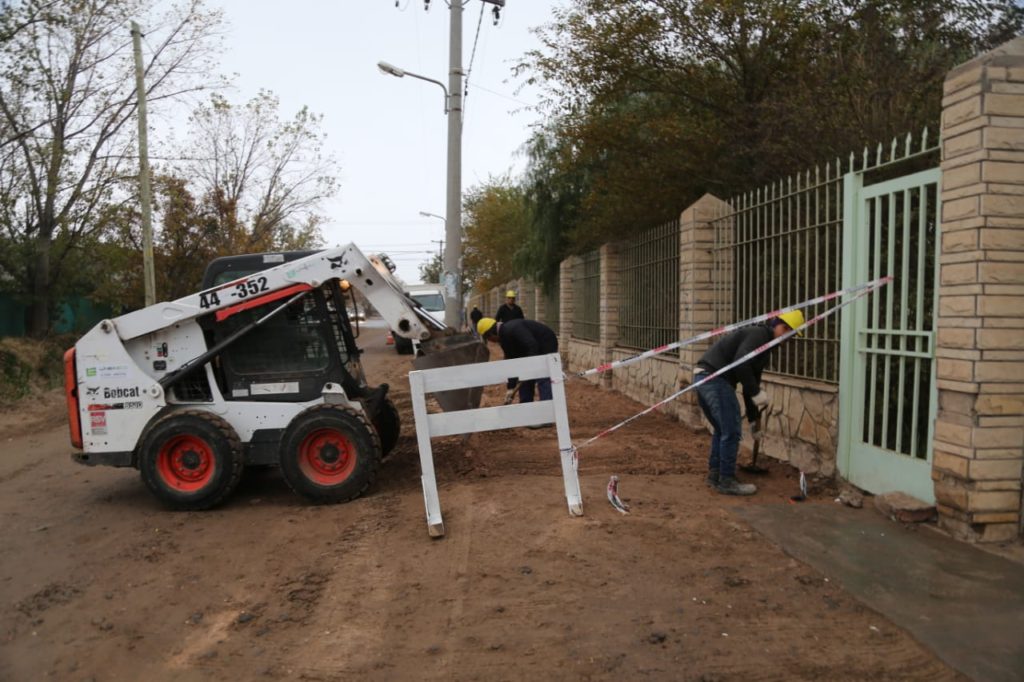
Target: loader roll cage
(300,337)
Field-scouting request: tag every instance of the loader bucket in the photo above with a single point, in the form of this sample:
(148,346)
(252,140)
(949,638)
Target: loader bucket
(449,351)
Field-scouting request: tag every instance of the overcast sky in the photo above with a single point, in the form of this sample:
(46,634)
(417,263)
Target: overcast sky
(388,134)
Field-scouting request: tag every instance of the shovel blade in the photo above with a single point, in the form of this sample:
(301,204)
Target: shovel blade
(451,351)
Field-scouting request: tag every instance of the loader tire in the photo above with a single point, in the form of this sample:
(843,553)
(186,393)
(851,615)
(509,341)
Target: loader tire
(330,454)
(388,424)
(191,460)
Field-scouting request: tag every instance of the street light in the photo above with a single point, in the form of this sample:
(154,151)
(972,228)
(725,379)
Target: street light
(392,70)
(427,214)
(451,275)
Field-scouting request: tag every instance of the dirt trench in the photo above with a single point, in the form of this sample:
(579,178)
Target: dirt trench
(98,582)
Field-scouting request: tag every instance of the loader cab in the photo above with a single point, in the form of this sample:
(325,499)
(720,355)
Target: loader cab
(292,356)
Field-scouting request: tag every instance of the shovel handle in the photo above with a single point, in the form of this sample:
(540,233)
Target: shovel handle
(757,441)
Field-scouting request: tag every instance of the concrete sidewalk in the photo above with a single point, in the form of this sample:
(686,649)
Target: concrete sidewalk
(965,604)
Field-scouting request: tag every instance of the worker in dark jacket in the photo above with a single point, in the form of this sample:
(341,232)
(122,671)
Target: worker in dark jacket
(475,315)
(522,339)
(509,310)
(717,397)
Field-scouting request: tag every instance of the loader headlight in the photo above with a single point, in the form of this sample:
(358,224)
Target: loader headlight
(344,284)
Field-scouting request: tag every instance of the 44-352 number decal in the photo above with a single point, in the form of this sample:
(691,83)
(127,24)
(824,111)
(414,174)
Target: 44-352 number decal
(251,287)
(208,298)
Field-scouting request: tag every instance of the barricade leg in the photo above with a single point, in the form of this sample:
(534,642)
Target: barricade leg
(435,524)
(569,474)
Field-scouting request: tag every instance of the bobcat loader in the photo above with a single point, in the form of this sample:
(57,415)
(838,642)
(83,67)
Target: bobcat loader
(261,367)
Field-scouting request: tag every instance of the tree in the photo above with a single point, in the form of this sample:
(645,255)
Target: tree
(431,270)
(554,184)
(651,103)
(67,96)
(264,176)
(497,222)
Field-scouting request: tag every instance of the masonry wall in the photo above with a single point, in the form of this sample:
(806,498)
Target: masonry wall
(648,381)
(529,296)
(803,426)
(979,430)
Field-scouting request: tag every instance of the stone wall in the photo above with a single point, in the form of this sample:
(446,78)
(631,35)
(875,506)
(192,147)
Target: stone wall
(580,355)
(649,381)
(802,428)
(979,431)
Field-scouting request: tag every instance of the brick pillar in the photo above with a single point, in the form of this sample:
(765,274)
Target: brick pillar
(697,293)
(979,430)
(565,305)
(527,298)
(609,306)
(540,304)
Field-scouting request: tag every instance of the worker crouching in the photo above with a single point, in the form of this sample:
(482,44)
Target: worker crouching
(521,339)
(717,397)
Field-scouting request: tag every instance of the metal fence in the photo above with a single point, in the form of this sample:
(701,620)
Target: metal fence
(779,245)
(649,288)
(782,244)
(586,289)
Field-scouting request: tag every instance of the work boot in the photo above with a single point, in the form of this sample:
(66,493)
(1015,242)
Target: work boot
(728,485)
(712,479)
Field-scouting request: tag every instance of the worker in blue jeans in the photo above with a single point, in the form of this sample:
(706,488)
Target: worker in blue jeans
(717,397)
(522,339)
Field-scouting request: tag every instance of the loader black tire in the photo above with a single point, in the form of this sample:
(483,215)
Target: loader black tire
(388,424)
(330,454)
(190,460)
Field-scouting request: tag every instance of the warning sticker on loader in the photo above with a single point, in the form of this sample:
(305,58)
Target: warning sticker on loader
(98,423)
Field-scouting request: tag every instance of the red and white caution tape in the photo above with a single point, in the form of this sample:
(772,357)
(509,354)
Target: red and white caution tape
(861,292)
(613,496)
(608,366)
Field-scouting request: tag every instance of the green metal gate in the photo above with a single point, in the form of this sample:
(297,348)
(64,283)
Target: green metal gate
(887,383)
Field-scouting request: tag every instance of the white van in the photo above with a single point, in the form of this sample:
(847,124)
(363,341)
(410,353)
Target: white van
(431,297)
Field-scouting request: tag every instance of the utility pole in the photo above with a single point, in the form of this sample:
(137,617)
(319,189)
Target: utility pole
(451,281)
(451,276)
(149,276)
(440,246)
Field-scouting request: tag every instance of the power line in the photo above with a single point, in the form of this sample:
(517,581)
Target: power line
(472,55)
(495,92)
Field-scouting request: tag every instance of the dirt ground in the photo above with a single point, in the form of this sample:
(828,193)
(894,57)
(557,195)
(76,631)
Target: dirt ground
(98,582)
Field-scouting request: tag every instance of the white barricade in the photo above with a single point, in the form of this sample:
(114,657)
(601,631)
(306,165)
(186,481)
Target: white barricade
(422,382)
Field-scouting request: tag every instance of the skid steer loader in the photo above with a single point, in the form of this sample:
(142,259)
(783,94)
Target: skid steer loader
(261,367)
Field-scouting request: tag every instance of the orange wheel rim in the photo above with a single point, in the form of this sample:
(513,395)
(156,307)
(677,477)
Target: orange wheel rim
(327,457)
(186,463)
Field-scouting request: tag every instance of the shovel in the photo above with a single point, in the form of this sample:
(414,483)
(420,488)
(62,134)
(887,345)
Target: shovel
(753,467)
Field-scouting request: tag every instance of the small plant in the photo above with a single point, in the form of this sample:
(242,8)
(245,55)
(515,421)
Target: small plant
(14,377)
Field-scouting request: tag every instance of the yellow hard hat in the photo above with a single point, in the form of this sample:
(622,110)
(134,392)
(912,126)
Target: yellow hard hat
(510,294)
(794,319)
(484,325)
